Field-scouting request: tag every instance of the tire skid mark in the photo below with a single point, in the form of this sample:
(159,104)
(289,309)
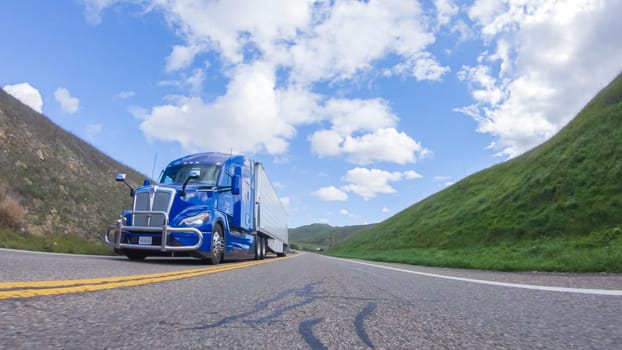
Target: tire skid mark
(276,314)
(306,330)
(306,291)
(359,323)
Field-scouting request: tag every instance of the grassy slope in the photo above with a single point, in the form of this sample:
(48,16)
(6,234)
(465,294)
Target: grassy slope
(65,185)
(557,207)
(322,235)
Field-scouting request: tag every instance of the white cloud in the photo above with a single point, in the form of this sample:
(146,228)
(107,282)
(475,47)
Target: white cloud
(368,183)
(93,9)
(138,112)
(347,213)
(422,67)
(363,130)
(93,130)
(445,11)
(181,57)
(348,116)
(344,43)
(307,42)
(124,95)
(548,59)
(192,81)
(67,102)
(195,80)
(246,119)
(27,94)
(385,210)
(386,145)
(427,68)
(326,143)
(411,175)
(331,193)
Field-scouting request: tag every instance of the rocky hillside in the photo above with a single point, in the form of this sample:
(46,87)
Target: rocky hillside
(52,182)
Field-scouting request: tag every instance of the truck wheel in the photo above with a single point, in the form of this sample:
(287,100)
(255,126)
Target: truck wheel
(258,247)
(136,256)
(264,243)
(218,246)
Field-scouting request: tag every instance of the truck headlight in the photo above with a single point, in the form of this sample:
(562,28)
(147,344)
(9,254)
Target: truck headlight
(195,220)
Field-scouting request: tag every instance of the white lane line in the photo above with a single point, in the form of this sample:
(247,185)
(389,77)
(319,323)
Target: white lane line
(499,284)
(53,253)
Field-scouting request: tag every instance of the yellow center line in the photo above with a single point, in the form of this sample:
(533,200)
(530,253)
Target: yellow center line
(42,288)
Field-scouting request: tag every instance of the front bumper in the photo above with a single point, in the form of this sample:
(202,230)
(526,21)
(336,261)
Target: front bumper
(120,230)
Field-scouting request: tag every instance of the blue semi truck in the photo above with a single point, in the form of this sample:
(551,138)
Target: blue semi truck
(212,206)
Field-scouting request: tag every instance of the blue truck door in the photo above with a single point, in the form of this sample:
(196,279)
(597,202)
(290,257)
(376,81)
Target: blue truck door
(239,218)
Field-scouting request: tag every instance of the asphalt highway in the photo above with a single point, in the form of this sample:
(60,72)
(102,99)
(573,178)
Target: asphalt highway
(304,301)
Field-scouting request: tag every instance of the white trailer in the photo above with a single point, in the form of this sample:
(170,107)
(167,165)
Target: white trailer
(270,215)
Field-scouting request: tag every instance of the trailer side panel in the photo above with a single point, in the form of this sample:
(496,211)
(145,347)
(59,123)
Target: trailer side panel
(269,211)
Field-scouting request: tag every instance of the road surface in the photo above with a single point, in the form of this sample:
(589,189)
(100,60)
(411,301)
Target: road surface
(305,301)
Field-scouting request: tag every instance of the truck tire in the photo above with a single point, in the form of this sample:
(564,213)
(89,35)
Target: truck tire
(217,249)
(258,247)
(136,256)
(264,244)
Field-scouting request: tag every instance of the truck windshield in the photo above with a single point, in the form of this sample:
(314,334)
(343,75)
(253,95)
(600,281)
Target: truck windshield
(179,174)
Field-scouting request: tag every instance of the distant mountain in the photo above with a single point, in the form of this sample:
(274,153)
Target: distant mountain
(52,182)
(569,189)
(323,235)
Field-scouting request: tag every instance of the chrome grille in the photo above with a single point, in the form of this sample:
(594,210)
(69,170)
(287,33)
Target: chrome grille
(141,202)
(162,201)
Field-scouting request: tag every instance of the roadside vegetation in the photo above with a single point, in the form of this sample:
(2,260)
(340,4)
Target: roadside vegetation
(596,252)
(558,207)
(57,243)
(314,236)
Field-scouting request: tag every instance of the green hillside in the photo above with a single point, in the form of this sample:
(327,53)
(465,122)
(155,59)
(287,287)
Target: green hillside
(557,207)
(323,236)
(57,192)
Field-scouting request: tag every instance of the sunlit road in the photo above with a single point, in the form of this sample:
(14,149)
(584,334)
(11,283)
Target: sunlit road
(305,301)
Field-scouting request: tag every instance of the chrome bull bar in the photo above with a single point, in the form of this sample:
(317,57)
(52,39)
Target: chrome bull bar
(165,229)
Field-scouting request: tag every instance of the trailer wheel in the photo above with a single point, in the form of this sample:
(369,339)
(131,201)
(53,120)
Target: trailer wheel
(280,255)
(218,245)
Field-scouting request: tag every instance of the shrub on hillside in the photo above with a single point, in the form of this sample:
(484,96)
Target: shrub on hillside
(11,212)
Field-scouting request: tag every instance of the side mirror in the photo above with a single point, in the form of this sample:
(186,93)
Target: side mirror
(121,178)
(146,183)
(235,184)
(193,174)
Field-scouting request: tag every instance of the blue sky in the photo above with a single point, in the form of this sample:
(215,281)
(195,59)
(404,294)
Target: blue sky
(358,109)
